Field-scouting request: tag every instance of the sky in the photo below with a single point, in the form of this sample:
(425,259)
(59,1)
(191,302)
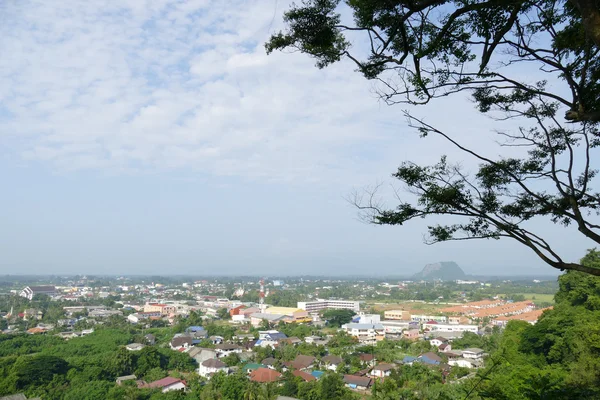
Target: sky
(158,137)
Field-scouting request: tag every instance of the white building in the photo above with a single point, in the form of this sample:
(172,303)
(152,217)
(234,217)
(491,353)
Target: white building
(369,319)
(365,332)
(212,366)
(395,326)
(425,318)
(435,327)
(437,342)
(31,291)
(321,304)
(473,353)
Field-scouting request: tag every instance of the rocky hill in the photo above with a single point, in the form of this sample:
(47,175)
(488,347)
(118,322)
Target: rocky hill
(445,271)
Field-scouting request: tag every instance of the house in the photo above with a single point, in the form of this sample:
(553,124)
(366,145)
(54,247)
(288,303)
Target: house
(411,334)
(225,349)
(134,346)
(382,370)
(216,339)
(463,362)
(248,368)
(473,353)
(357,382)
(332,362)
(269,362)
(264,375)
(122,379)
(430,358)
(291,341)
(32,313)
(68,335)
(312,339)
(365,332)
(165,384)
(300,362)
(366,358)
(181,342)
(438,341)
(200,354)
(444,348)
(150,338)
(31,291)
(212,366)
(256,319)
(269,338)
(409,360)
(304,375)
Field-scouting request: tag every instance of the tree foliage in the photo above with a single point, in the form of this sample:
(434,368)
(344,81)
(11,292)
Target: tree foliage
(337,318)
(559,356)
(419,51)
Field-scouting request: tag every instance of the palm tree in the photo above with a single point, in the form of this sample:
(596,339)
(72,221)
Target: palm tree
(252,392)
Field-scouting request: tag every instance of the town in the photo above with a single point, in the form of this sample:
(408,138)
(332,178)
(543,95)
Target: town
(288,335)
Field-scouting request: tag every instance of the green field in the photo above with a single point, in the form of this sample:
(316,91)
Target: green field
(540,298)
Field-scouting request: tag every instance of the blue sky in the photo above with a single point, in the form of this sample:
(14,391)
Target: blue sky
(157,137)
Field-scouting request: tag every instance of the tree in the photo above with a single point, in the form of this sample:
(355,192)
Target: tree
(423,50)
(337,318)
(38,370)
(223,313)
(148,359)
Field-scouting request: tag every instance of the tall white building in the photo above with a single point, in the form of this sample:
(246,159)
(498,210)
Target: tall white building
(321,304)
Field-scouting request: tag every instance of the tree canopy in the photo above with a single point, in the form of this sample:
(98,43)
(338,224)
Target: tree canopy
(420,51)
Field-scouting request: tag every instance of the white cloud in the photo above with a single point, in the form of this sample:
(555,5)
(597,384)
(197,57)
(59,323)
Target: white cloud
(187,85)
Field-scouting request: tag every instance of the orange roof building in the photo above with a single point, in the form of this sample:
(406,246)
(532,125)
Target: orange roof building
(264,375)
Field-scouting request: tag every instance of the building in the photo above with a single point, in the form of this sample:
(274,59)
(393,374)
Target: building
(257,319)
(365,332)
(291,314)
(436,327)
(212,366)
(357,382)
(382,370)
(122,379)
(31,291)
(166,384)
(367,319)
(332,362)
(424,318)
(473,353)
(411,334)
(225,349)
(396,314)
(438,341)
(181,342)
(398,326)
(320,304)
(163,309)
(265,375)
(529,316)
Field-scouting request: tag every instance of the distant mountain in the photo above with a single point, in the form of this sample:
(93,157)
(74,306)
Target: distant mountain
(445,271)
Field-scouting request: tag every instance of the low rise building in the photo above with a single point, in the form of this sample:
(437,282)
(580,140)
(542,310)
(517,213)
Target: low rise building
(365,332)
(321,304)
(397,314)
